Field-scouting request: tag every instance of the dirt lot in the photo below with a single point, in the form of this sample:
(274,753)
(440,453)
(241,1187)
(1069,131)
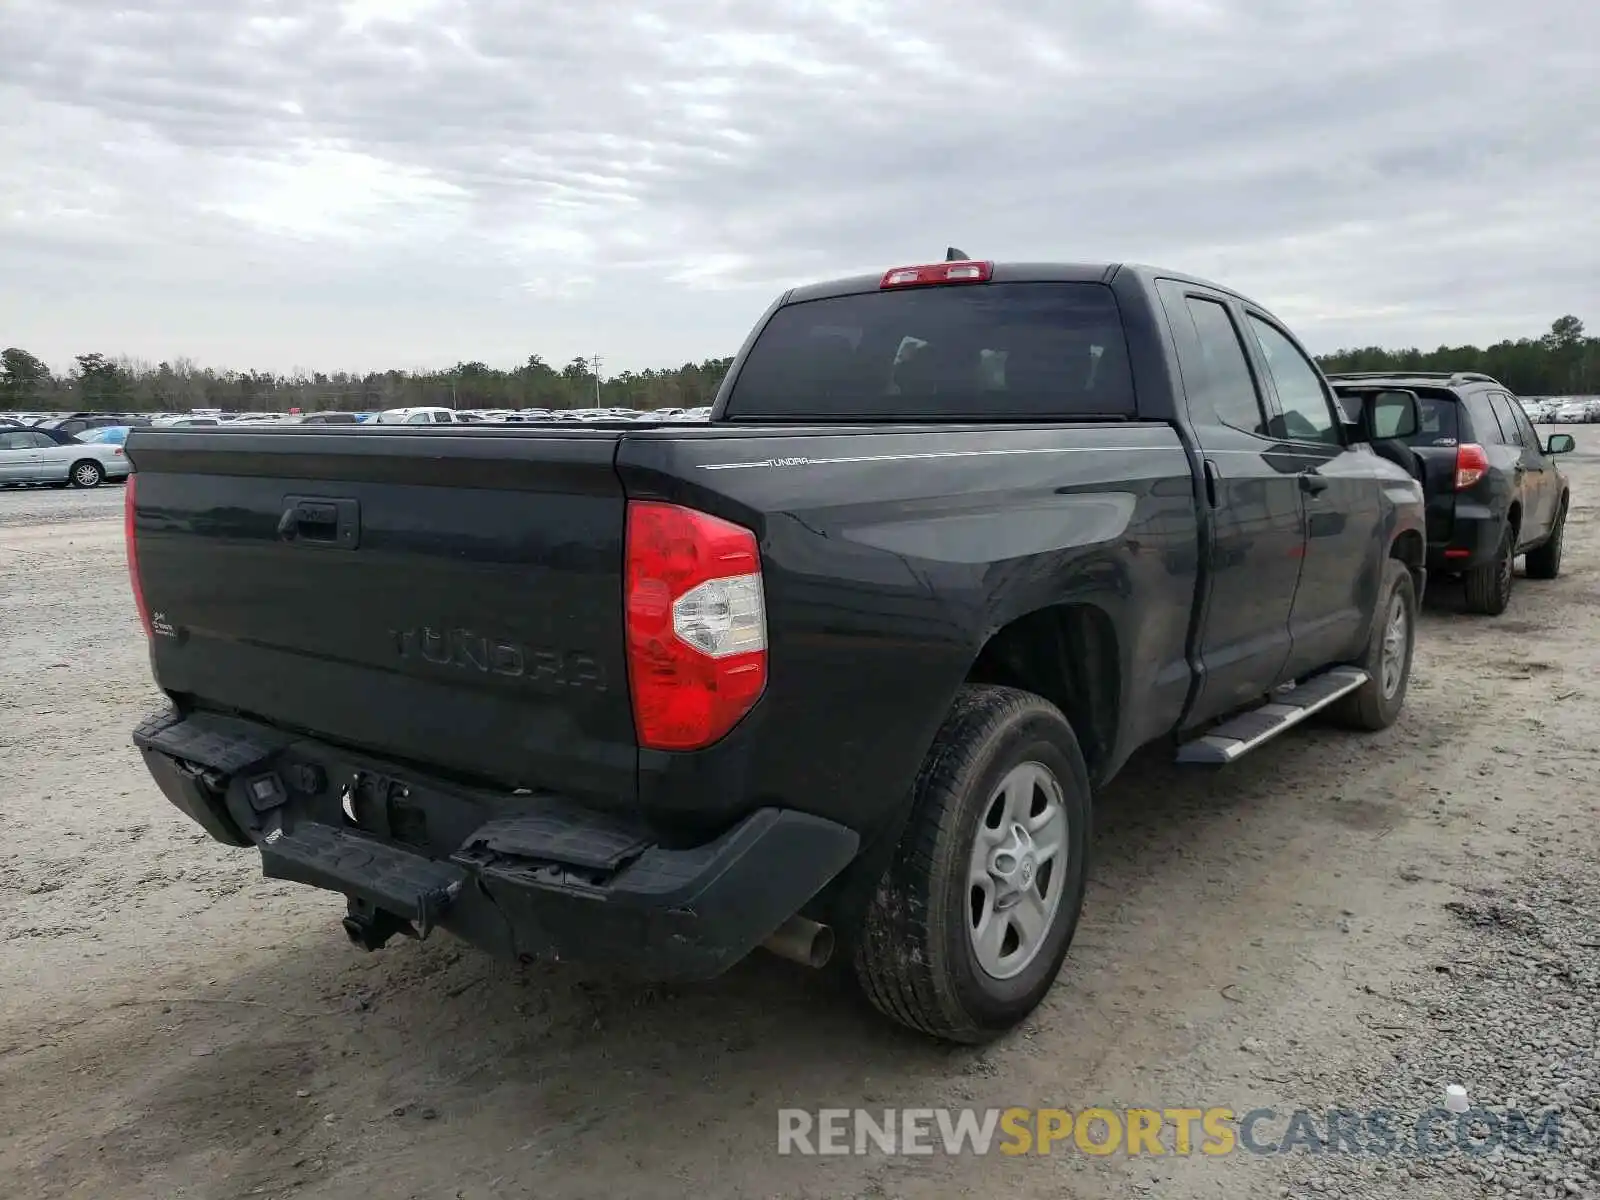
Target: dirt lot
(171,1024)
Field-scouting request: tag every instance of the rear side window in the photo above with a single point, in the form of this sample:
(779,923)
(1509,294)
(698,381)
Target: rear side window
(998,351)
(1307,416)
(1530,435)
(1219,375)
(1510,431)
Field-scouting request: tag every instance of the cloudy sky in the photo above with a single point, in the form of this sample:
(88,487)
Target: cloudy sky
(281,183)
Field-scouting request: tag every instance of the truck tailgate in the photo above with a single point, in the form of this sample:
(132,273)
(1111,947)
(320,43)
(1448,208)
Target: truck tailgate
(452,597)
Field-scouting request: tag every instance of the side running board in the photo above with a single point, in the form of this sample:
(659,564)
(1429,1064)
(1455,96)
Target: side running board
(1240,735)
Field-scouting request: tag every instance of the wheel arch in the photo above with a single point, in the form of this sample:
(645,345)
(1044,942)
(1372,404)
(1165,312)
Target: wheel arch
(1411,548)
(1068,653)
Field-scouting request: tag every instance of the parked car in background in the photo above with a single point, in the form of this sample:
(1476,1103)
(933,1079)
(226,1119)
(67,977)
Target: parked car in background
(76,423)
(109,435)
(416,416)
(329,418)
(30,456)
(1493,489)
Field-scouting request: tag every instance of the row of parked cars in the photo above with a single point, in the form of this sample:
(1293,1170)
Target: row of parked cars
(63,452)
(85,449)
(1563,410)
(78,422)
(529,416)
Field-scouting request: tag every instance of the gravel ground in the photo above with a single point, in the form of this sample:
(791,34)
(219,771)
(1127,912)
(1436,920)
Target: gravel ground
(1337,922)
(24,507)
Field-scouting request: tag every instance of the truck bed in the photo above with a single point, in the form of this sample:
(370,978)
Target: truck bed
(452,596)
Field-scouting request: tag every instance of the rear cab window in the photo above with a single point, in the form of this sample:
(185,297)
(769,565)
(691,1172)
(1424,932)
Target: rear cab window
(994,351)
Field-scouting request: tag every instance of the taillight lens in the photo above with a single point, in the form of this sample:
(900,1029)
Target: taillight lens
(696,624)
(129,492)
(1472,464)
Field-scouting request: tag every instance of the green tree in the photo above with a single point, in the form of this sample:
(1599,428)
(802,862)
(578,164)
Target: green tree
(102,383)
(24,379)
(1564,361)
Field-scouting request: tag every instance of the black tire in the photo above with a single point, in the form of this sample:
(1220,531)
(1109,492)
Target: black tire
(1375,704)
(915,956)
(1544,561)
(86,473)
(1489,586)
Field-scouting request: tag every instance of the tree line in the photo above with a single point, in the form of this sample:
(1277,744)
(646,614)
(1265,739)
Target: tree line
(99,383)
(1564,361)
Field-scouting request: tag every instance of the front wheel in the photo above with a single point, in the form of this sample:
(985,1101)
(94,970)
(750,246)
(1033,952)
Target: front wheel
(1376,704)
(87,474)
(970,925)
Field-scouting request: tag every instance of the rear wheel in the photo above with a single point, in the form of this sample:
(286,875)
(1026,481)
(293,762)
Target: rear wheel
(1377,703)
(86,474)
(1544,562)
(970,925)
(1489,586)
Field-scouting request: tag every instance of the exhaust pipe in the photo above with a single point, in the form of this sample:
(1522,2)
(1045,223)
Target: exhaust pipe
(803,941)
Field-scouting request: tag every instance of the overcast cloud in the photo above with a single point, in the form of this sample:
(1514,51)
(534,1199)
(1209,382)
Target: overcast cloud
(275,183)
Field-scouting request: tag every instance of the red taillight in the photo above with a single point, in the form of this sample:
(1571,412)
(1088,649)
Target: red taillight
(133,553)
(1472,464)
(696,625)
(962,271)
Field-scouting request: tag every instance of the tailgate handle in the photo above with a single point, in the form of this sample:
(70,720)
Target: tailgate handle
(320,522)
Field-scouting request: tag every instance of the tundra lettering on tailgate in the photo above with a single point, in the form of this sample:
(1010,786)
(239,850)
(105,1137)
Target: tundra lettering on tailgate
(465,650)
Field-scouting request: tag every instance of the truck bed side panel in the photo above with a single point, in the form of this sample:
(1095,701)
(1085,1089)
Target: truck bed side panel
(892,555)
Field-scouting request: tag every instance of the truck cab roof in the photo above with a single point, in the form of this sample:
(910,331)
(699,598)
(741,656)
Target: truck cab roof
(1011,272)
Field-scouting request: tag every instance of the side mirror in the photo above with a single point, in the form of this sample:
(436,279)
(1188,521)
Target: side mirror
(1561,443)
(1391,413)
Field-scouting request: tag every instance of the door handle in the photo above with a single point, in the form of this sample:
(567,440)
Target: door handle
(1312,484)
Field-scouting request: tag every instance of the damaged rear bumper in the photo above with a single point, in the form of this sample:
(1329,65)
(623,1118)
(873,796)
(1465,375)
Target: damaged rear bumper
(522,876)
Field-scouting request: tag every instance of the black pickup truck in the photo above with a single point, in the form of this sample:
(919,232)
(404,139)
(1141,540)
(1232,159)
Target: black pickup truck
(844,665)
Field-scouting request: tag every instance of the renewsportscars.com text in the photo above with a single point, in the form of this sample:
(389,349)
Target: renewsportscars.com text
(1153,1132)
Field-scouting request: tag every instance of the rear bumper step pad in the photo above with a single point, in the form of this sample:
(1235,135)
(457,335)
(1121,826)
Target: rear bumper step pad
(405,884)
